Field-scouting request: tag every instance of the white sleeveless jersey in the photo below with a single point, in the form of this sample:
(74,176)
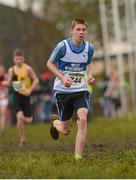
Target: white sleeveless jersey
(73,65)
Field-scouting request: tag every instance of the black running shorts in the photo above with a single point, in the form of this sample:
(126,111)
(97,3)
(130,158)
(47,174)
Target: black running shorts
(68,102)
(22,103)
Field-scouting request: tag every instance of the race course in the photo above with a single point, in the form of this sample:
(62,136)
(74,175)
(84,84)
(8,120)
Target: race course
(110,152)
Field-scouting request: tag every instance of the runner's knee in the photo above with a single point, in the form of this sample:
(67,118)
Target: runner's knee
(20,115)
(28,120)
(66,131)
(82,121)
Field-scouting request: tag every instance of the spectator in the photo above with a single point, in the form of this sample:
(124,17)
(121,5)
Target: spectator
(3,100)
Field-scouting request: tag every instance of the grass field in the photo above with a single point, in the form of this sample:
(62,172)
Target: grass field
(110,152)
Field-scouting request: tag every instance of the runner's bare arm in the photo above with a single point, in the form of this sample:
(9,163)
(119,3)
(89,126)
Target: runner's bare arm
(8,81)
(67,81)
(91,79)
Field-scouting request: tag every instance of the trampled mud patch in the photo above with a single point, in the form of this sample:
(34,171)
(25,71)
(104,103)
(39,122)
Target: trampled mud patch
(103,145)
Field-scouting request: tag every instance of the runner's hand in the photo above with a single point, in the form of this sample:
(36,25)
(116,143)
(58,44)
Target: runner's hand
(91,80)
(67,82)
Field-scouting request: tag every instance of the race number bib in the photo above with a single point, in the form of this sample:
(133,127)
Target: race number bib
(78,78)
(18,86)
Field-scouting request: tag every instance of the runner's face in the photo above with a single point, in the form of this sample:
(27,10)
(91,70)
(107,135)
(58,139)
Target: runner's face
(78,33)
(18,60)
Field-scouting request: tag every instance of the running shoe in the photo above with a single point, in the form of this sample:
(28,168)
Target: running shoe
(53,131)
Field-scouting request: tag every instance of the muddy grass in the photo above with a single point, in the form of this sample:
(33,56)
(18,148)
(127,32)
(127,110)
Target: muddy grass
(68,147)
(110,152)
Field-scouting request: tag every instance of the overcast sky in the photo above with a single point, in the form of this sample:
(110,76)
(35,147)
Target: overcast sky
(12,3)
(8,2)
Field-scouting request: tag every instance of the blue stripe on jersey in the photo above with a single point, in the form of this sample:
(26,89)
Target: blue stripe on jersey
(68,66)
(90,53)
(58,52)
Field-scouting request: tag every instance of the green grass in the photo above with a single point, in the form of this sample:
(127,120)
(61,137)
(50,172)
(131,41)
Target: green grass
(110,152)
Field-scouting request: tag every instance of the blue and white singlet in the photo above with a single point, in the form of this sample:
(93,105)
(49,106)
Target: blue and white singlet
(72,62)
